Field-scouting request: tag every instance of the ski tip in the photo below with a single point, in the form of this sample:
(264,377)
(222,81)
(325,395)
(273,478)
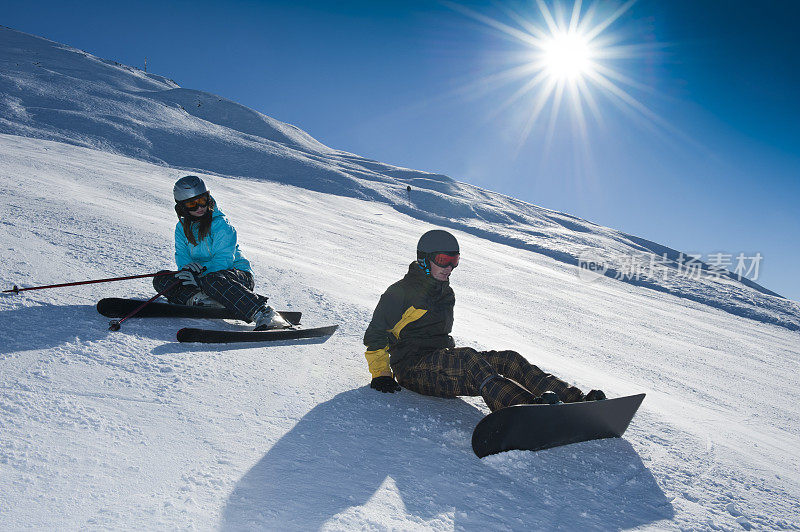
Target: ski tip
(103,307)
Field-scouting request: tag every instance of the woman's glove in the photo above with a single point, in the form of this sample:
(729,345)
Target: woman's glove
(187,278)
(194,267)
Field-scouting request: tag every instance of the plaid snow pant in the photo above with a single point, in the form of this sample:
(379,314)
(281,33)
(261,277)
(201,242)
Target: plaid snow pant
(502,378)
(232,288)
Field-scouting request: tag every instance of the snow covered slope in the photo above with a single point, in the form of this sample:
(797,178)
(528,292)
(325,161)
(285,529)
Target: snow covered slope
(54,92)
(131,430)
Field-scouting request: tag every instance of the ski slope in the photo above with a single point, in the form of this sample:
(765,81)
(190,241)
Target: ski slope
(131,430)
(54,92)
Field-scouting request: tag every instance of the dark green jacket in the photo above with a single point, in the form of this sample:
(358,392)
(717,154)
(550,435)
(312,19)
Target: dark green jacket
(413,317)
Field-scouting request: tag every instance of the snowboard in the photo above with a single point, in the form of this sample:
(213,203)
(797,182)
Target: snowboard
(536,427)
(115,307)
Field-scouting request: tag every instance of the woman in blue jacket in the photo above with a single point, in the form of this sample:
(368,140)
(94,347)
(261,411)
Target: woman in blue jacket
(213,271)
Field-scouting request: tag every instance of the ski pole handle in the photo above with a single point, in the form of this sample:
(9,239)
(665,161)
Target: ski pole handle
(17,289)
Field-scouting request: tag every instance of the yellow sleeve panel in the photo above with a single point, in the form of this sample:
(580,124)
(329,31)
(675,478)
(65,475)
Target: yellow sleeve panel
(411,314)
(378,361)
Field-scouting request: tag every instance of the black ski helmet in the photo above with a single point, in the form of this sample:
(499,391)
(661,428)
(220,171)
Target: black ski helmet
(436,241)
(433,242)
(188,187)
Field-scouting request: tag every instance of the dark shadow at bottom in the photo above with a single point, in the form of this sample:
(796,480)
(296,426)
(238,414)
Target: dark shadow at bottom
(344,450)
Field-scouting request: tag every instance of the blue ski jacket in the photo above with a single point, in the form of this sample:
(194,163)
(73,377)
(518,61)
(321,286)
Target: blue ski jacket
(217,251)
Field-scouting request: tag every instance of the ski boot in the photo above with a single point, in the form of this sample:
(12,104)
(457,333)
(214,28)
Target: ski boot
(266,319)
(200,299)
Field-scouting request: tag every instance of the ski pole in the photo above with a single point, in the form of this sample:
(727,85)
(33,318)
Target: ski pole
(114,325)
(17,289)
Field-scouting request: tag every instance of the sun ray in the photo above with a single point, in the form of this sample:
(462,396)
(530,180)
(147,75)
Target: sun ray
(584,155)
(524,23)
(551,126)
(629,51)
(588,18)
(491,82)
(594,32)
(548,17)
(610,73)
(504,28)
(519,93)
(541,101)
(590,100)
(622,95)
(579,118)
(576,16)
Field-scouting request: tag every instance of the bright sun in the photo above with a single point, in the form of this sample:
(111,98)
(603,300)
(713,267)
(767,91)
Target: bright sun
(567,56)
(567,62)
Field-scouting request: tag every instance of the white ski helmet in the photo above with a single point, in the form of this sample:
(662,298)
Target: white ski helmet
(188,187)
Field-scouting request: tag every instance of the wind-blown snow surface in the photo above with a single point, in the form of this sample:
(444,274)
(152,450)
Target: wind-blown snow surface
(51,91)
(132,430)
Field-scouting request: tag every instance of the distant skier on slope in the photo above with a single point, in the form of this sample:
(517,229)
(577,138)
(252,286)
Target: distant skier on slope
(409,336)
(213,272)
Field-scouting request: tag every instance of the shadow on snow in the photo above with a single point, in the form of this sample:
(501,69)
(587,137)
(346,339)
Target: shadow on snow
(45,325)
(341,453)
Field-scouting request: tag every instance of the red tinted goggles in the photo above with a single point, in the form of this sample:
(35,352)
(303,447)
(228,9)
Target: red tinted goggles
(443,260)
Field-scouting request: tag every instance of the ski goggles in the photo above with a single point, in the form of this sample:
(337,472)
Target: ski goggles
(194,203)
(443,260)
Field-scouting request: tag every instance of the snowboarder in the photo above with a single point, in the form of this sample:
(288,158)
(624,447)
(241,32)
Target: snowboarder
(213,271)
(409,339)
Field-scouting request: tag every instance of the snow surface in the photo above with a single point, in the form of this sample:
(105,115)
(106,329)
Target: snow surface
(131,430)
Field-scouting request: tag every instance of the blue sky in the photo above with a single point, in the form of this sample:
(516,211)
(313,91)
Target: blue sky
(714,168)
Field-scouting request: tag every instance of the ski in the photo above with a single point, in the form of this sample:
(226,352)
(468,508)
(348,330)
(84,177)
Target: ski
(210,336)
(536,427)
(116,307)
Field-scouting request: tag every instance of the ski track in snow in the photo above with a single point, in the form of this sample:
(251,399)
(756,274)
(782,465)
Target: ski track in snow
(131,429)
